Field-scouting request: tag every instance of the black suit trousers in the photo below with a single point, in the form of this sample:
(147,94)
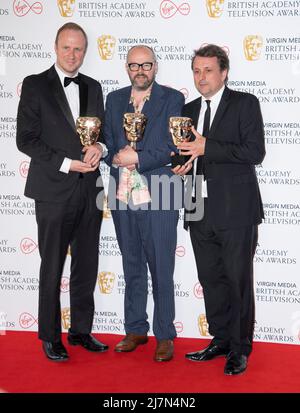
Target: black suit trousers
(60,224)
(224,260)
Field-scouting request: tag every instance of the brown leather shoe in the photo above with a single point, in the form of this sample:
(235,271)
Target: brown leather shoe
(130,342)
(164,350)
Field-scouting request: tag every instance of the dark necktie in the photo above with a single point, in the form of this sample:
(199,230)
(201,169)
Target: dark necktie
(68,80)
(200,163)
(205,132)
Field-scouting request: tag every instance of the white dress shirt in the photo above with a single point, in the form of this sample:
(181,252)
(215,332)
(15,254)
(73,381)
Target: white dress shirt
(214,103)
(72,95)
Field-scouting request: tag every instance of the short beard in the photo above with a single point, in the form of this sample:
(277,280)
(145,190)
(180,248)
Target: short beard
(145,86)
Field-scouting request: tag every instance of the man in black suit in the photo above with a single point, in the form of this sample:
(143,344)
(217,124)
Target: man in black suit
(223,158)
(64,188)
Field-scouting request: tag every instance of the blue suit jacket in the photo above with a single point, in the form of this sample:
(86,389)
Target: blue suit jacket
(156,145)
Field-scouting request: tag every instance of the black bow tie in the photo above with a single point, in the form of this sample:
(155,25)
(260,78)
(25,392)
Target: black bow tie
(68,80)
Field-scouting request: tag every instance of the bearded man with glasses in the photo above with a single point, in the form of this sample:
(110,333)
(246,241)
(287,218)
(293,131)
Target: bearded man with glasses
(146,226)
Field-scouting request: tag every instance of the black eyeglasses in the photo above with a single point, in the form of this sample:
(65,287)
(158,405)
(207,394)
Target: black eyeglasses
(135,67)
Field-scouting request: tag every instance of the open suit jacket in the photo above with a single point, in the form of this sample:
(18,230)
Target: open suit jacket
(156,145)
(147,237)
(46,133)
(225,244)
(234,145)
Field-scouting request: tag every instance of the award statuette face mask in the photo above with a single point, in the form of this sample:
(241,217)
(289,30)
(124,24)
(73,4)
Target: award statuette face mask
(88,129)
(131,182)
(134,125)
(181,130)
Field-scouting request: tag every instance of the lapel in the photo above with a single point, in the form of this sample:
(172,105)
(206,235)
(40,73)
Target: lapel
(59,95)
(220,111)
(83,96)
(193,113)
(196,111)
(151,109)
(122,107)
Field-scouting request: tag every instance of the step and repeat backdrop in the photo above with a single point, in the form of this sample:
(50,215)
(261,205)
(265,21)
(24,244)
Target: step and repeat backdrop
(262,39)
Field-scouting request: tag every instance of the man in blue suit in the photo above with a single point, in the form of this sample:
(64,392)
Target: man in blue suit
(142,196)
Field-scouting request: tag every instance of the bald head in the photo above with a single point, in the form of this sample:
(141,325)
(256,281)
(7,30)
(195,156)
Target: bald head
(141,67)
(143,48)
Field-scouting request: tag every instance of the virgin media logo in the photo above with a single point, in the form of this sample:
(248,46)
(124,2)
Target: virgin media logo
(23,168)
(19,88)
(26,320)
(185,92)
(22,7)
(198,290)
(180,251)
(226,50)
(178,326)
(168,9)
(65,285)
(27,245)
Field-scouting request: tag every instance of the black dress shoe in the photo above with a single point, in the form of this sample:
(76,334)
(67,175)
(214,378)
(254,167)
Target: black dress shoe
(55,351)
(236,363)
(87,341)
(209,353)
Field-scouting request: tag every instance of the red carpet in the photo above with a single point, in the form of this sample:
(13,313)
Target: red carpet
(272,368)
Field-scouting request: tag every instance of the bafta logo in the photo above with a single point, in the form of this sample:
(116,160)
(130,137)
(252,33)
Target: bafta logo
(203,325)
(65,318)
(106,46)
(214,8)
(106,282)
(66,7)
(253,46)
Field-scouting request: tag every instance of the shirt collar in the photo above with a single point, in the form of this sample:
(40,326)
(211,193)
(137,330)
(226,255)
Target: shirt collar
(145,98)
(215,99)
(62,74)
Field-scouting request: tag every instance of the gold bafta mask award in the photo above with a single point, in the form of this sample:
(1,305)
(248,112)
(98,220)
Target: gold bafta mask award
(181,130)
(134,125)
(88,129)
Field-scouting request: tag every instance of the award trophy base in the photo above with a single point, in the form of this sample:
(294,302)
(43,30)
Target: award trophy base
(132,144)
(178,159)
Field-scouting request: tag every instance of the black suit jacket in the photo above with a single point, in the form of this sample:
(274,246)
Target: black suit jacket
(234,146)
(46,133)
